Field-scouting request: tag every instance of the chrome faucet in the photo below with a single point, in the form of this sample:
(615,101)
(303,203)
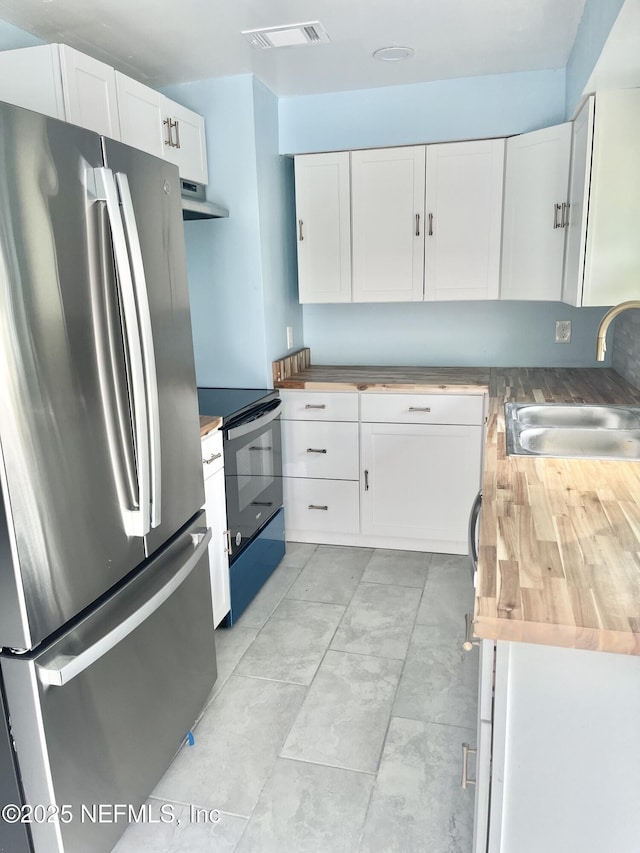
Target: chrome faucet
(612,313)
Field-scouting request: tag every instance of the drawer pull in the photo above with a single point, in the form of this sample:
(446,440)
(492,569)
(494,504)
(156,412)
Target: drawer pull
(315,450)
(212,458)
(255,447)
(315,506)
(419,409)
(465,781)
(366,481)
(469,642)
(315,406)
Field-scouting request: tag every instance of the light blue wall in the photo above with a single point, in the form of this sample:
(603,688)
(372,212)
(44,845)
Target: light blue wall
(224,263)
(451,333)
(597,19)
(277,229)
(12,37)
(467,108)
(456,333)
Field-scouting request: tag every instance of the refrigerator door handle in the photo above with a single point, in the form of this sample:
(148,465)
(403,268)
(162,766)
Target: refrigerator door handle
(148,351)
(67,668)
(136,521)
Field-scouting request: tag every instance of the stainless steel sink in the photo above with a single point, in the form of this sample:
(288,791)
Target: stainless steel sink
(575,415)
(573,431)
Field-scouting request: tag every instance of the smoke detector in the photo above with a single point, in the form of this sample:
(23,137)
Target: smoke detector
(290,35)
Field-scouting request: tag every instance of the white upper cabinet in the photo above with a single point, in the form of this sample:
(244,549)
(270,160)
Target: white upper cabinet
(89,89)
(602,264)
(464,217)
(323,206)
(141,116)
(155,124)
(535,213)
(30,77)
(387,207)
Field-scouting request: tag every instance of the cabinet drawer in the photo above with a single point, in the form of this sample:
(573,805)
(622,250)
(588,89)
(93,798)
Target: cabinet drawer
(322,505)
(422,408)
(319,405)
(328,450)
(212,459)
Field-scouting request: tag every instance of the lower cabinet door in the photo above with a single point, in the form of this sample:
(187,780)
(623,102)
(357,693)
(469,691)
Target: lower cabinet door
(215,508)
(329,506)
(418,481)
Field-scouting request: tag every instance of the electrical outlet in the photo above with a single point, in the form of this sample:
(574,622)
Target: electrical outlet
(563,331)
(289,337)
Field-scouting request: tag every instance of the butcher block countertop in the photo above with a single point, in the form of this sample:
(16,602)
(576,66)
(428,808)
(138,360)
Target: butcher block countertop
(208,424)
(559,539)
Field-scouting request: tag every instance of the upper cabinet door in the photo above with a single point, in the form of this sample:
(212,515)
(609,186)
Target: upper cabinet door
(141,111)
(323,221)
(89,88)
(387,204)
(535,213)
(187,146)
(464,218)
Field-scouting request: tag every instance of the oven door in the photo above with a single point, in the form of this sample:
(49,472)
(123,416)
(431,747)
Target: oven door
(253,473)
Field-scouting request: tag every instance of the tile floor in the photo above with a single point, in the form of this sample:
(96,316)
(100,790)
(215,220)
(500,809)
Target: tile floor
(335,725)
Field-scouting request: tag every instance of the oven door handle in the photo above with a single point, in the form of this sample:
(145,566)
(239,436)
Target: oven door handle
(252,426)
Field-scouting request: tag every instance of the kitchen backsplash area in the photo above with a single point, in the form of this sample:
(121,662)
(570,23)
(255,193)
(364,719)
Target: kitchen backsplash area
(626,347)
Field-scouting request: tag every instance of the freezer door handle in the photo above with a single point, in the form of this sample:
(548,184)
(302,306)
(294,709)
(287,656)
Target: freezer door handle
(66,668)
(148,351)
(136,521)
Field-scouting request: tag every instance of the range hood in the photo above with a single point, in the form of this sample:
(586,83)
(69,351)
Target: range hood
(195,204)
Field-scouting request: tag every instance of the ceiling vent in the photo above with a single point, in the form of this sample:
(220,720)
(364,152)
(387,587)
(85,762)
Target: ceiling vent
(291,35)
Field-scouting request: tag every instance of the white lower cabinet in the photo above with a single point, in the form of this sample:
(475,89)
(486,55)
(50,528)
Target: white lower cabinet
(216,512)
(561,749)
(402,476)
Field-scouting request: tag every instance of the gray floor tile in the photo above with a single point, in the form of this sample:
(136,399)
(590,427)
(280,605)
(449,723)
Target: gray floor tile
(344,717)
(331,575)
(269,597)
(440,680)
(418,804)
(292,643)
(180,828)
(298,554)
(402,568)
(448,594)
(378,621)
(231,644)
(308,807)
(236,744)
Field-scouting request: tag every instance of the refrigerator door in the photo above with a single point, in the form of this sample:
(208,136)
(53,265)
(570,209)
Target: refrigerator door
(149,191)
(68,473)
(99,714)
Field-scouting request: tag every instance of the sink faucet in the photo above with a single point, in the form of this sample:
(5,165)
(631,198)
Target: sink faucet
(612,313)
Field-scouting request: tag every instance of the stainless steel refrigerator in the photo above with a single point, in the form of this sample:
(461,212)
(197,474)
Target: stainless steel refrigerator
(106,627)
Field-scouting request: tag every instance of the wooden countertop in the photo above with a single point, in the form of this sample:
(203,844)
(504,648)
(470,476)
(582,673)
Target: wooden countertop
(208,424)
(559,552)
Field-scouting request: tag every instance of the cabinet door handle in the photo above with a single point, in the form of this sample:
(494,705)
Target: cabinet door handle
(168,124)
(419,409)
(366,481)
(565,214)
(556,210)
(176,126)
(300,234)
(229,548)
(316,506)
(417,224)
(465,781)
(430,225)
(212,458)
(315,450)
(311,406)
(469,642)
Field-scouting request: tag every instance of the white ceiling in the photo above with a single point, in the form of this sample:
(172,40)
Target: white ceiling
(618,66)
(173,41)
